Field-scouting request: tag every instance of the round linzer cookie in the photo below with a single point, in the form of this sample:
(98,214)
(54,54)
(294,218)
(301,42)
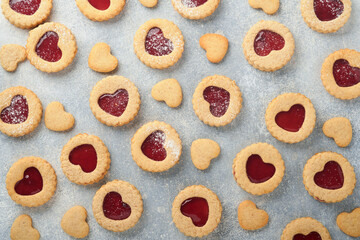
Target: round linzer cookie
(195,9)
(25,13)
(290,117)
(100,10)
(340,74)
(196,211)
(268,46)
(159,43)
(20,111)
(305,228)
(117,206)
(51,47)
(156,147)
(31,181)
(85,159)
(115,101)
(258,168)
(329,177)
(217,100)
(325,16)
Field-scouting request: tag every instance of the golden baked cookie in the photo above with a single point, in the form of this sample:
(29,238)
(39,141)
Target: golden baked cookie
(250,217)
(159,43)
(20,111)
(196,211)
(215,45)
(339,129)
(85,159)
(156,147)
(31,181)
(100,58)
(258,168)
(195,9)
(268,46)
(349,223)
(56,119)
(100,10)
(268,6)
(11,55)
(149,3)
(51,47)
(203,151)
(340,74)
(306,227)
(329,177)
(22,229)
(115,101)
(290,117)
(217,100)
(74,222)
(25,13)
(117,206)
(325,16)
(169,91)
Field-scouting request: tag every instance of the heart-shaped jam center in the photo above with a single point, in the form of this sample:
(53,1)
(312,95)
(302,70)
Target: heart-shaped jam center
(17,112)
(197,209)
(153,146)
(331,177)
(47,47)
(291,120)
(114,208)
(193,3)
(26,7)
(116,103)
(310,236)
(85,156)
(344,74)
(31,183)
(218,98)
(267,41)
(156,44)
(258,171)
(100,4)
(327,10)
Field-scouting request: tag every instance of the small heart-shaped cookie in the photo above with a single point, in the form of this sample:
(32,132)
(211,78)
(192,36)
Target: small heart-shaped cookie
(149,3)
(22,229)
(215,45)
(203,151)
(11,55)
(349,223)
(250,217)
(56,119)
(74,222)
(169,91)
(100,58)
(268,6)
(339,129)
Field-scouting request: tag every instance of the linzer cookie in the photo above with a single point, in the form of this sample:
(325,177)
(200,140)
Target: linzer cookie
(340,129)
(349,223)
(22,229)
(11,55)
(250,217)
(195,9)
(100,10)
(305,228)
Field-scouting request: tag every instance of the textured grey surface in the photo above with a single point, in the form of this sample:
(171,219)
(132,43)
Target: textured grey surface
(233,18)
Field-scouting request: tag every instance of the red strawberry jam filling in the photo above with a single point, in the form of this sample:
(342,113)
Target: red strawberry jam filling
(85,156)
(17,112)
(193,3)
(327,10)
(100,4)
(114,208)
(197,209)
(26,7)
(291,120)
(344,74)
(156,44)
(47,47)
(258,171)
(218,98)
(331,177)
(116,103)
(267,41)
(31,183)
(153,146)
(310,236)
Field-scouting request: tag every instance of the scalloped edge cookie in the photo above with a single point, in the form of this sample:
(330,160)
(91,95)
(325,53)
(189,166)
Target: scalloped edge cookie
(116,6)
(196,13)
(304,226)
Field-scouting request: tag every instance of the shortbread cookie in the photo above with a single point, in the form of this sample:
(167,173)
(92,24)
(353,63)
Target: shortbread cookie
(325,16)
(195,9)
(11,55)
(25,13)
(149,3)
(20,110)
(56,119)
(51,47)
(258,168)
(215,45)
(102,10)
(349,223)
(196,211)
(290,117)
(340,74)
(22,229)
(339,129)
(115,101)
(169,91)
(100,58)
(250,217)
(117,206)
(268,46)
(74,222)
(217,100)
(85,159)
(305,228)
(31,181)
(203,151)
(159,43)
(156,147)
(329,177)
(268,6)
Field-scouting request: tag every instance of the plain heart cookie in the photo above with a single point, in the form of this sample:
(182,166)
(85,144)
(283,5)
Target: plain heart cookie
(149,3)
(203,151)
(215,45)
(22,229)
(169,91)
(11,55)
(268,6)
(100,58)
(56,119)
(339,129)
(349,223)
(250,217)
(74,222)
